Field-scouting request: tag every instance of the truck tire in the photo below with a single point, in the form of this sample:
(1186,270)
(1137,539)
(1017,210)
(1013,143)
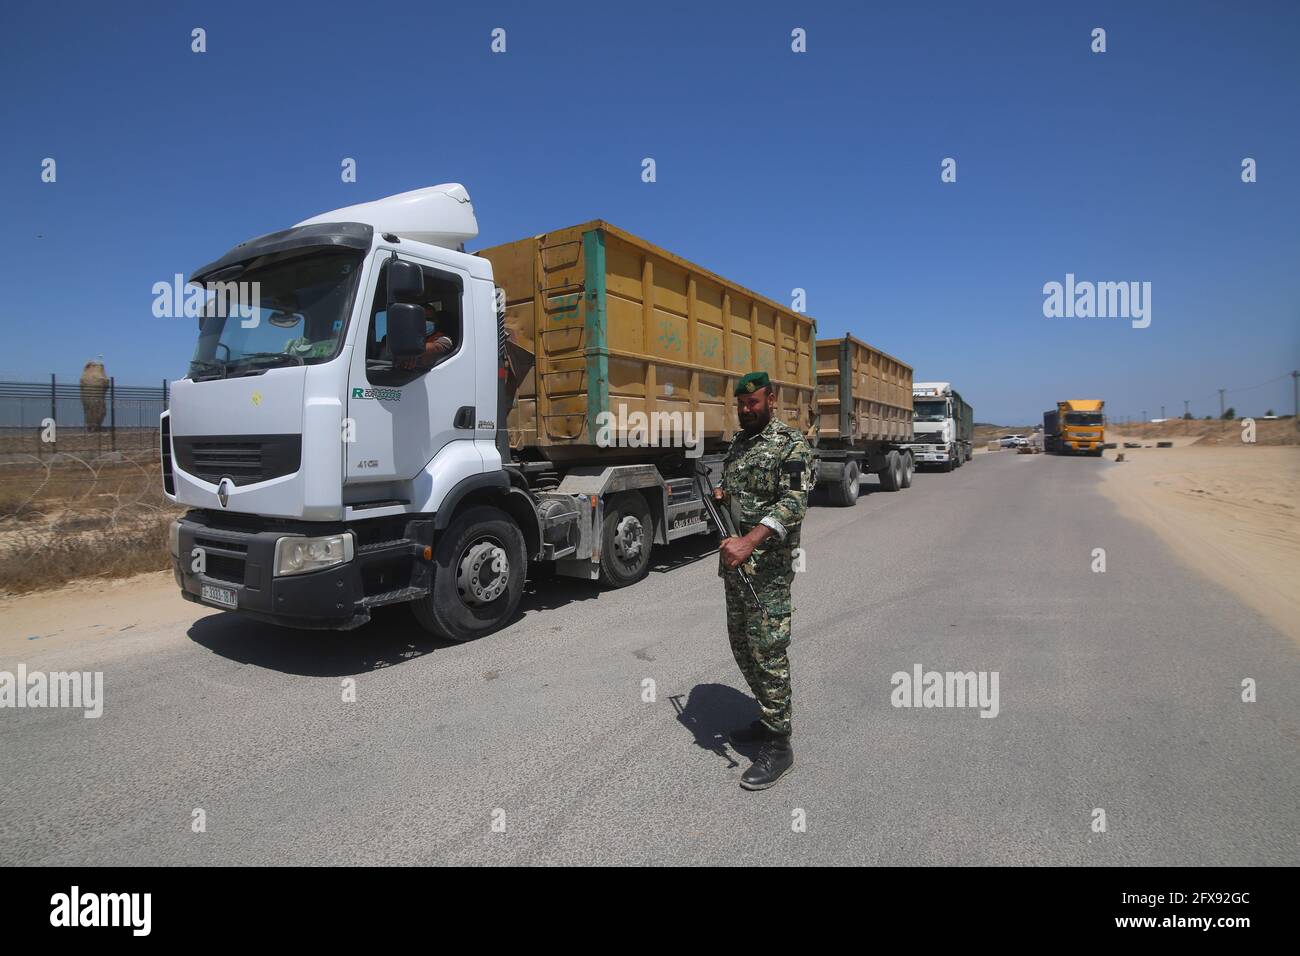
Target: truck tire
(844,493)
(909,468)
(891,476)
(480,563)
(956,456)
(626,538)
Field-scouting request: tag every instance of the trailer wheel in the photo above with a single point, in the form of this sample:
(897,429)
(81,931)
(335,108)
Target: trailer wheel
(480,564)
(844,493)
(627,536)
(891,476)
(909,468)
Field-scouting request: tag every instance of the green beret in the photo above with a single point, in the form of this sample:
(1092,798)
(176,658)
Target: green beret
(752,383)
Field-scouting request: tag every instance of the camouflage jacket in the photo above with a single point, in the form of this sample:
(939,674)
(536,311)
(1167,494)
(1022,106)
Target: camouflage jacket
(767,478)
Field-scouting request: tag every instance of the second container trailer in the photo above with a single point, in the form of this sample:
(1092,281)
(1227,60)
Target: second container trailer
(864,400)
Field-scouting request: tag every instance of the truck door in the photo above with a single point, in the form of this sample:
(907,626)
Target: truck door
(403,412)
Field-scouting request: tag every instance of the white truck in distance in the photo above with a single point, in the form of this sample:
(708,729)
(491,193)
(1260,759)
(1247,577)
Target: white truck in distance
(943,425)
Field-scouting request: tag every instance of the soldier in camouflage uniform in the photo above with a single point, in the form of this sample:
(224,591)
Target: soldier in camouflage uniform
(765,484)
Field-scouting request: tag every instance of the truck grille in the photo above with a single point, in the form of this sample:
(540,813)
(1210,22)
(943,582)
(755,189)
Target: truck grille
(244,459)
(224,560)
(220,567)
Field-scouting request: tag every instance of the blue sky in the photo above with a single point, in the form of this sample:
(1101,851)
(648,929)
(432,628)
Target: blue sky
(778,170)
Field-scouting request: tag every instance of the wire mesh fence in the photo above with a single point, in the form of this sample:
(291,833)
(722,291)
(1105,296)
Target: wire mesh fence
(48,418)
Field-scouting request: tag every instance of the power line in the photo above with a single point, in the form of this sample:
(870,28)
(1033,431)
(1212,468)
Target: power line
(1245,388)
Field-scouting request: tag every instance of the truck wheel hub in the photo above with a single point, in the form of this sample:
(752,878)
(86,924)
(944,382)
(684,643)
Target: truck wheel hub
(483,574)
(627,539)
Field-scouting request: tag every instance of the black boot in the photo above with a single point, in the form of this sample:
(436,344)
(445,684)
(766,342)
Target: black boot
(756,733)
(772,762)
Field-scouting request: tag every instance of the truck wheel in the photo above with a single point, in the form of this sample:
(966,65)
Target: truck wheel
(891,475)
(957,456)
(627,536)
(479,568)
(909,468)
(844,493)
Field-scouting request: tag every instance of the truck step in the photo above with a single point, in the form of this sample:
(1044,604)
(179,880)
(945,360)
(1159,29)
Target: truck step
(394,597)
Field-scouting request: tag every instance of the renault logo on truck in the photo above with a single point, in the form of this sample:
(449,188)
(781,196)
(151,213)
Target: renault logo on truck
(223,491)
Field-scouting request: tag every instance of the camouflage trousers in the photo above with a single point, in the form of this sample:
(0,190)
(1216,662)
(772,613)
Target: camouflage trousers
(760,646)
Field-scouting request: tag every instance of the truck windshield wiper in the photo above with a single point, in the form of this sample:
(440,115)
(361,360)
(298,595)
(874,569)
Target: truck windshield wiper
(269,358)
(214,365)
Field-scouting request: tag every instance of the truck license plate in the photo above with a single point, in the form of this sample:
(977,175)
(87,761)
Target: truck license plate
(225,597)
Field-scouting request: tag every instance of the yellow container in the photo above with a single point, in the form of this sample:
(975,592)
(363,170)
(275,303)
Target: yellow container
(621,326)
(863,395)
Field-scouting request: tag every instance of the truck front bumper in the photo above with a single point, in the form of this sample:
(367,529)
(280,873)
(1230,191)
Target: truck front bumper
(929,454)
(240,565)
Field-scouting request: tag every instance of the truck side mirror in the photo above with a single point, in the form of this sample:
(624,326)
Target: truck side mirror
(405,281)
(406,329)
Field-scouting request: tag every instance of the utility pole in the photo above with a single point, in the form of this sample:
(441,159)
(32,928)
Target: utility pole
(1162,411)
(1295,382)
(1221,391)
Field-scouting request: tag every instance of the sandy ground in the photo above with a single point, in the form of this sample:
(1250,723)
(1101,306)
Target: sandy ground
(1232,513)
(71,615)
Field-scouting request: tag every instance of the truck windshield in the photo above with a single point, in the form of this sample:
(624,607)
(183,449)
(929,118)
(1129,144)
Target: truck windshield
(1083,418)
(293,312)
(929,411)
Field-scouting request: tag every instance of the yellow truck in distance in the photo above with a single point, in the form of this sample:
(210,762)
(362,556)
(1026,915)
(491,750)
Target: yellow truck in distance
(1076,426)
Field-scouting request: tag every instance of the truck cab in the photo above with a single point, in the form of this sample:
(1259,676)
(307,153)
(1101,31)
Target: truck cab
(316,439)
(943,426)
(1076,427)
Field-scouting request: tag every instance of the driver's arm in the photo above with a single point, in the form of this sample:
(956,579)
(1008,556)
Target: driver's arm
(435,346)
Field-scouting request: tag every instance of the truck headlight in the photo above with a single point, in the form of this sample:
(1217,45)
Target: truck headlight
(300,555)
(174,538)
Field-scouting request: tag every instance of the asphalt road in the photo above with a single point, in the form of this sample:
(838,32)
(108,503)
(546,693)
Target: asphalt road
(1118,691)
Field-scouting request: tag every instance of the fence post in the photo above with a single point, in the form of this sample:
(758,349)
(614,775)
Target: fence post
(112,405)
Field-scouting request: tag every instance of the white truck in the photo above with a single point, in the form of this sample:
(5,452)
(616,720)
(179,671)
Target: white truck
(342,443)
(943,426)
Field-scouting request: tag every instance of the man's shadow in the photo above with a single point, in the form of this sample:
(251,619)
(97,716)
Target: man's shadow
(710,711)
